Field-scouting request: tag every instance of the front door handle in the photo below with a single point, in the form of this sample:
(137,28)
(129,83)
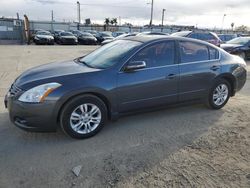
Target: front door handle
(214,68)
(170,76)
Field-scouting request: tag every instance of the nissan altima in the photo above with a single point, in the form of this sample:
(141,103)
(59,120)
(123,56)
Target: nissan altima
(125,76)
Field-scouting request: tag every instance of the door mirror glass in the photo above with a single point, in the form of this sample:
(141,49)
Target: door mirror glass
(135,65)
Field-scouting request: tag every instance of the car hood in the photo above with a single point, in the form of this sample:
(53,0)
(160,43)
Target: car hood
(89,38)
(230,46)
(108,38)
(68,37)
(45,36)
(51,71)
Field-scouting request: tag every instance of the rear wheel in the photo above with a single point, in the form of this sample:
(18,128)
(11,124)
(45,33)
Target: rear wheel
(219,94)
(83,116)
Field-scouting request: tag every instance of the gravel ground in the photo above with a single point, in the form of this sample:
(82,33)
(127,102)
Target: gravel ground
(188,146)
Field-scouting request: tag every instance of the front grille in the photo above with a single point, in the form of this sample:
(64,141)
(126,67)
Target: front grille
(14,90)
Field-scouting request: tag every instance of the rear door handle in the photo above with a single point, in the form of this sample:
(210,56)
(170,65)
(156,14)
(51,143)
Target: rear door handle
(170,76)
(214,68)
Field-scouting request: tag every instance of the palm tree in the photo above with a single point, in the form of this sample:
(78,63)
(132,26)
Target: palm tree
(107,21)
(114,21)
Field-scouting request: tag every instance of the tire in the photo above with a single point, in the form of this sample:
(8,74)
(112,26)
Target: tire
(73,116)
(223,97)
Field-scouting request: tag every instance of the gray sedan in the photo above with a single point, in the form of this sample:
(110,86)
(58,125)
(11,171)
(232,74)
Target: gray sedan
(125,76)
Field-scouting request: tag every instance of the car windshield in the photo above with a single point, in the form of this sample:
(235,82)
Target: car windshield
(106,34)
(181,33)
(43,33)
(110,54)
(86,35)
(239,40)
(66,34)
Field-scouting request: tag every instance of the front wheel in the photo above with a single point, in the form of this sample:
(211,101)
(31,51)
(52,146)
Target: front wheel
(219,94)
(83,116)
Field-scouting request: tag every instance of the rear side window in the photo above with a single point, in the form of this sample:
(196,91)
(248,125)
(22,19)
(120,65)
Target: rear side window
(213,53)
(192,52)
(155,55)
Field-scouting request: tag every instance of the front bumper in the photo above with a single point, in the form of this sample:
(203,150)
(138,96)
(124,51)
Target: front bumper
(32,117)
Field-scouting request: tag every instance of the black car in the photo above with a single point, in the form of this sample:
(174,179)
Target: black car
(152,33)
(227,37)
(76,32)
(87,38)
(118,38)
(239,46)
(66,38)
(205,36)
(129,75)
(102,36)
(93,32)
(56,33)
(43,37)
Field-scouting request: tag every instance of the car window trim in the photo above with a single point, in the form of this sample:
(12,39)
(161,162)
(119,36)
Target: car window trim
(122,68)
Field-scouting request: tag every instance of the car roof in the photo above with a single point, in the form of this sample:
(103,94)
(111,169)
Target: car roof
(152,38)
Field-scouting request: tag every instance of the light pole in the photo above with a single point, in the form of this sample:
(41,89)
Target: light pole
(152,12)
(162,19)
(78,14)
(223,18)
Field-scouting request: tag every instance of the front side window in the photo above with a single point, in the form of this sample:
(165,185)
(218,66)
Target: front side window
(156,55)
(192,52)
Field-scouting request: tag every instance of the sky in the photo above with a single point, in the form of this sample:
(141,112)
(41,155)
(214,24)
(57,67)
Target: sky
(200,13)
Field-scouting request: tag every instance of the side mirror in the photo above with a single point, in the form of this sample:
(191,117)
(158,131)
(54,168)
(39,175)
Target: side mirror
(135,65)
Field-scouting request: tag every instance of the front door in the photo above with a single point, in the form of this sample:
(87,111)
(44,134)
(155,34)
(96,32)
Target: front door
(154,85)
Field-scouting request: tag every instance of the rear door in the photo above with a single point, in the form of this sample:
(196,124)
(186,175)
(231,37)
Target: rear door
(199,65)
(154,85)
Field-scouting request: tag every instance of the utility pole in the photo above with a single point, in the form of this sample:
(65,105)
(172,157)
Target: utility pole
(52,20)
(162,19)
(78,14)
(222,24)
(120,23)
(152,12)
(52,15)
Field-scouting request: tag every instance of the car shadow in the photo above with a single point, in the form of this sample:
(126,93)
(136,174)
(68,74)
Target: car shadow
(123,148)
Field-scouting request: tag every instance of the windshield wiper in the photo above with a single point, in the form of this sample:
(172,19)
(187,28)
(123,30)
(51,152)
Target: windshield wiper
(83,62)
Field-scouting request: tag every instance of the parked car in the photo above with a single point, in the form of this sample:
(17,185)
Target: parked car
(66,38)
(33,33)
(87,38)
(152,33)
(205,36)
(117,33)
(119,37)
(43,37)
(93,32)
(239,46)
(124,76)
(226,37)
(56,33)
(102,36)
(76,32)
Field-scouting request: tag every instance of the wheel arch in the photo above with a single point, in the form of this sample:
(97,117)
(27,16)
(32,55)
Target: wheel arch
(231,79)
(95,94)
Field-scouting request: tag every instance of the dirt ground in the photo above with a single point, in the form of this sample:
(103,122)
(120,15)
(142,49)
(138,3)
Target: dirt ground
(188,146)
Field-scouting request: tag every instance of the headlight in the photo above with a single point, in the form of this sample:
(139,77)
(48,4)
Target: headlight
(39,93)
(37,38)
